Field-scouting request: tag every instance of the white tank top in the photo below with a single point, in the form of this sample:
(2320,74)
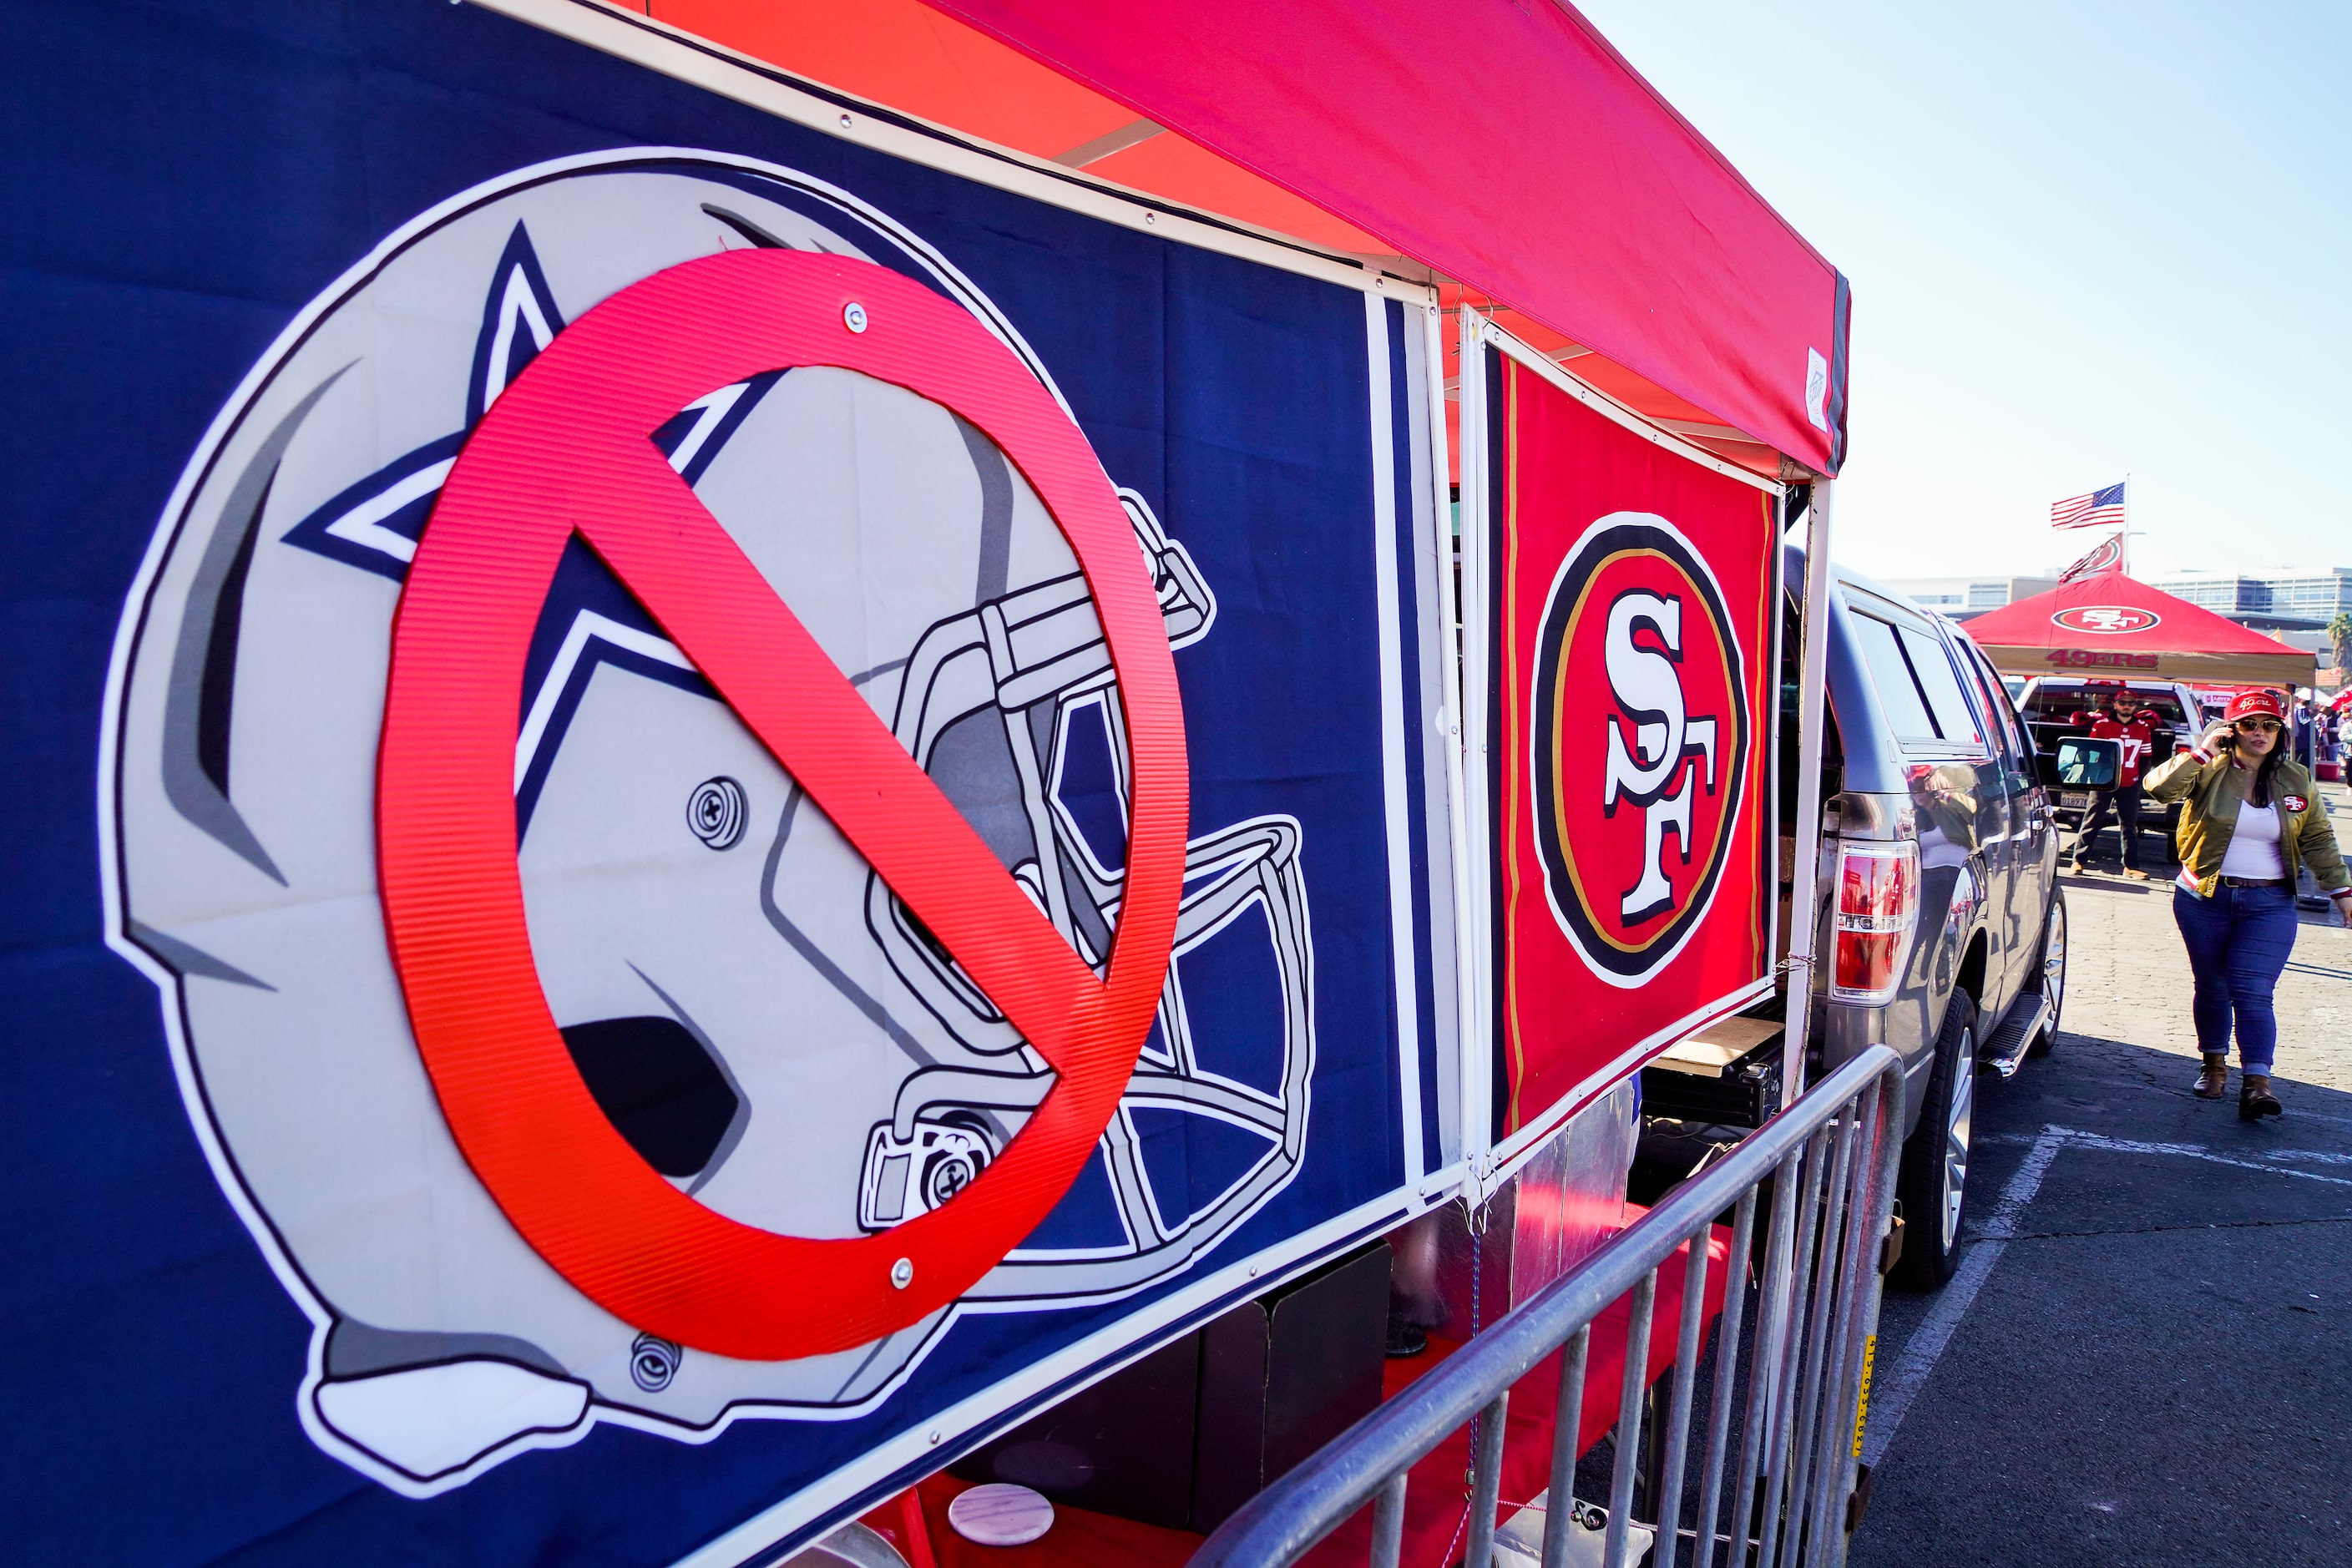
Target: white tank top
(2254,846)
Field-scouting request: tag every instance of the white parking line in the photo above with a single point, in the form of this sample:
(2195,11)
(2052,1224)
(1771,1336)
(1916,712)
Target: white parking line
(1891,1400)
(2320,1156)
(2199,1151)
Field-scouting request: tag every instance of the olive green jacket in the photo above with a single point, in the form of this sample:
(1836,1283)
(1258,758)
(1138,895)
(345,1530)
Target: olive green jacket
(2213,788)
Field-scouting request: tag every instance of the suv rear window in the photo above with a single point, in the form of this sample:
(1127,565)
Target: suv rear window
(2008,734)
(2060,699)
(1898,694)
(1933,665)
(1916,686)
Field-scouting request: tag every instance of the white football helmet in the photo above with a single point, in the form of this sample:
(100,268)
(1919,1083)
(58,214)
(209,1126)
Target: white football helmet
(752,1008)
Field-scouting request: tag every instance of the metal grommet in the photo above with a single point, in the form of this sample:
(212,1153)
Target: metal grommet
(853,316)
(902,1273)
(717,811)
(1151,217)
(845,122)
(653,1361)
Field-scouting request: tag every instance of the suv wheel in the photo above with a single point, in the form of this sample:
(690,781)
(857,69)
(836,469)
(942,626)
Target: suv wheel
(2053,978)
(1934,1180)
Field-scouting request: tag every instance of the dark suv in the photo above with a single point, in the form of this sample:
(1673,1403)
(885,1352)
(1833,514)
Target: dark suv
(2052,707)
(1942,928)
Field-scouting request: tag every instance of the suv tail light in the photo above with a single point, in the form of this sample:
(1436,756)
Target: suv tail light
(1878,903)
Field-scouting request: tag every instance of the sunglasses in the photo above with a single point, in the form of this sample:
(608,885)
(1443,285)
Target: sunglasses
(2258,726)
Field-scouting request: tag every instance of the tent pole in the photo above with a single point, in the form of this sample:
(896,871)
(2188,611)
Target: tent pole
(1812,681)
(2123,537)
(1478,1089)
(1467,924)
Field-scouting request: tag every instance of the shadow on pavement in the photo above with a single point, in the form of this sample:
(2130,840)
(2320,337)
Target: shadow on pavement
(2158,1367)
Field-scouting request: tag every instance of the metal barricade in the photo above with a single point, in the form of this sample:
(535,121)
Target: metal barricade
(1795,1376)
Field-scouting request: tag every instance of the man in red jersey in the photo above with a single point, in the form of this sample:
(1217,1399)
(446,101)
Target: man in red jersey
(2130,724)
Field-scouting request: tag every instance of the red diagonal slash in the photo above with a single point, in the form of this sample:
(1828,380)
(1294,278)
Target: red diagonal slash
(566,449)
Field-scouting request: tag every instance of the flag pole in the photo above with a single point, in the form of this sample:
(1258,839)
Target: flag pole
(2123,540)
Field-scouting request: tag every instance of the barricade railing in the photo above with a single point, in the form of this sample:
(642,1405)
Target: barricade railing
(1794,1375)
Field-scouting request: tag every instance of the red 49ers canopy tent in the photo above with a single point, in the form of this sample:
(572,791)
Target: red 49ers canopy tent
(2107,622)
(1508,150)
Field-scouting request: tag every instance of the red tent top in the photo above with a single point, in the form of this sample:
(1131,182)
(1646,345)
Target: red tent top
(2109,622)
(1507,147)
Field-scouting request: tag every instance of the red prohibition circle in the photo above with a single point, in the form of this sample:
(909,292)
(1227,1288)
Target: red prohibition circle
(566,448)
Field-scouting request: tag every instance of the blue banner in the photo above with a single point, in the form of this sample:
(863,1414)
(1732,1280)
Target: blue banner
(266,271)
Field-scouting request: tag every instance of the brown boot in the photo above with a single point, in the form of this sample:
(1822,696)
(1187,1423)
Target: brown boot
(2213,1082)
(2256,1100)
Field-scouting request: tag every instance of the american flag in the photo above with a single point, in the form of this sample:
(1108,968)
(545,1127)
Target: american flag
(2100,508)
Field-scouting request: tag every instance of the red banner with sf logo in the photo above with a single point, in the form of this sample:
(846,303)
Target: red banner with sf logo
(1629,585)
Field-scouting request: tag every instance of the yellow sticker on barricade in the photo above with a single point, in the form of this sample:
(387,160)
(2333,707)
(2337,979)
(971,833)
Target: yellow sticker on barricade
(1862,1407)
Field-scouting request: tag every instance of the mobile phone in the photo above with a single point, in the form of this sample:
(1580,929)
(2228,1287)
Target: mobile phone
(2229,741)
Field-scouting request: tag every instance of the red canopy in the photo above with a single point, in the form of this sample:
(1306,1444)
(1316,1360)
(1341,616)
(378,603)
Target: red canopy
(2110,624)
(1506,146)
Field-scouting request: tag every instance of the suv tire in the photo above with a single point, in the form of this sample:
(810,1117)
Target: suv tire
(2050,966)
(1932,1182)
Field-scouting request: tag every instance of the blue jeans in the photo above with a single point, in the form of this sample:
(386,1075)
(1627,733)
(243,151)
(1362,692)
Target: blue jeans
(2237,943)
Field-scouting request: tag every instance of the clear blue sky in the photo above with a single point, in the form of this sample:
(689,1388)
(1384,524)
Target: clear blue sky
(2084,240)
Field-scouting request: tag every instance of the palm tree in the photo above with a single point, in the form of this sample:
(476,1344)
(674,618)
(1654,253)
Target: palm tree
(2339,634)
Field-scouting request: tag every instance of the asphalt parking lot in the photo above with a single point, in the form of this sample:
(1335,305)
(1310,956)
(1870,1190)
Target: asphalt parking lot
(2148,1357)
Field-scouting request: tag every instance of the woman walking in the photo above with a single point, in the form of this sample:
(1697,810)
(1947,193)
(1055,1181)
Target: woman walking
(2250,820)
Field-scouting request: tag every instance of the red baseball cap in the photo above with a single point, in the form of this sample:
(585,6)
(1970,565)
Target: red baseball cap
(2247,704)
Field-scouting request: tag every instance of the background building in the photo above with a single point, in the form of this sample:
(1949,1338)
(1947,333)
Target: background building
(2300,598)
(1960,598)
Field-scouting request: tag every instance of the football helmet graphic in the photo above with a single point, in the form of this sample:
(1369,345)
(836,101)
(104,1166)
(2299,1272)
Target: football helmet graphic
(750,1005)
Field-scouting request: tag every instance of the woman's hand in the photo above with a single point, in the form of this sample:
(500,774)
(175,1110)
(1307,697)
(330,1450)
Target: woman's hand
(2343,902)
(2213,743)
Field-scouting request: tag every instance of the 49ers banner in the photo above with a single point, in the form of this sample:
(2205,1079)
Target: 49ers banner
(1628,586)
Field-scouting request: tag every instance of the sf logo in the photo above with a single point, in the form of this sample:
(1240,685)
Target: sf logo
(2108,618)
(1638,745)
(1671,750)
